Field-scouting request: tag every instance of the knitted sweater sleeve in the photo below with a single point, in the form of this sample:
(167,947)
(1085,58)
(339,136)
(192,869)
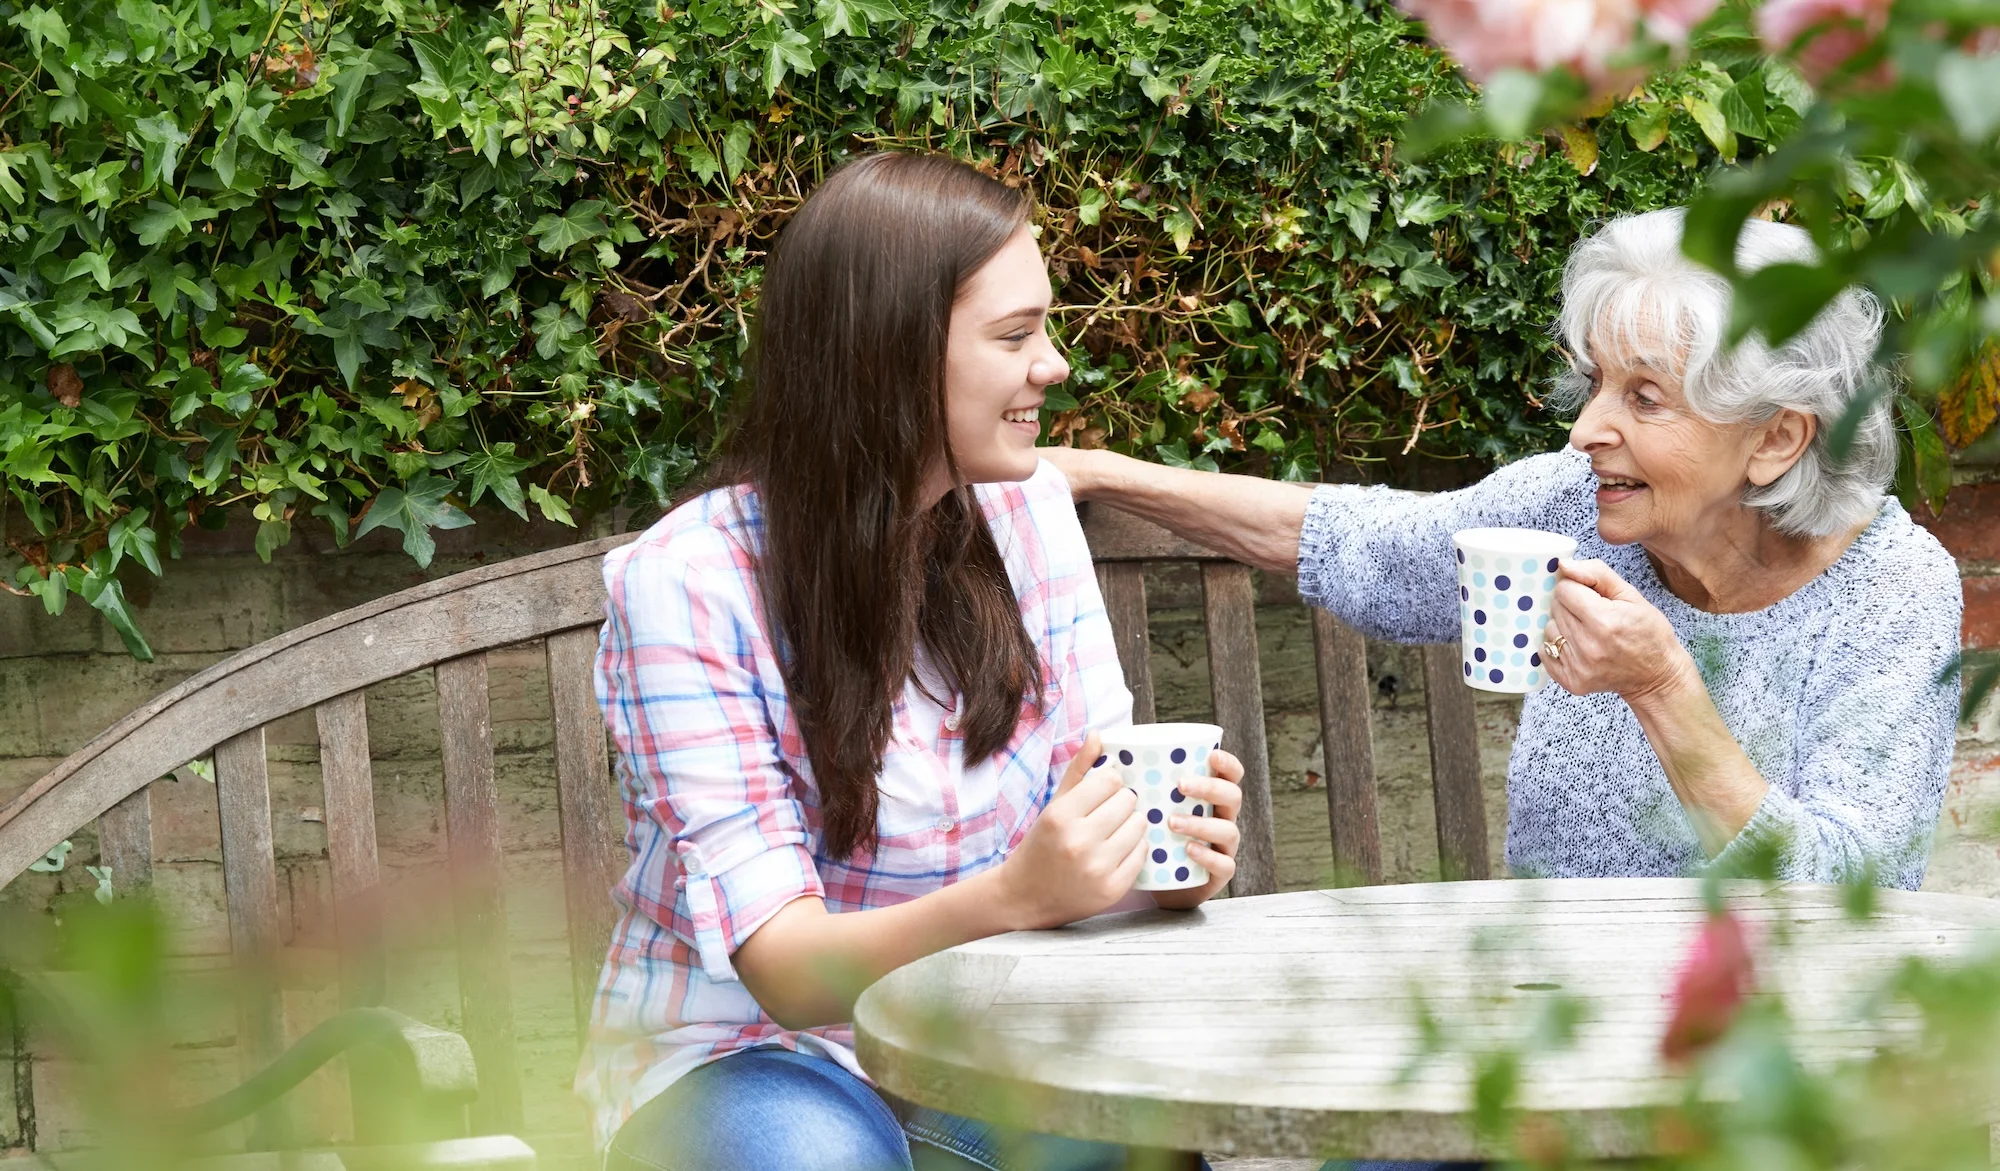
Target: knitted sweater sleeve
(1381,560)
(1874,738)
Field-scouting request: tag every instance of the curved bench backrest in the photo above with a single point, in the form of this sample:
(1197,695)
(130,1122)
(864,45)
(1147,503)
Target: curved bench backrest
(448,626)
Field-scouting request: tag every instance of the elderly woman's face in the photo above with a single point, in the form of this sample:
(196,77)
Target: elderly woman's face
(1664,472)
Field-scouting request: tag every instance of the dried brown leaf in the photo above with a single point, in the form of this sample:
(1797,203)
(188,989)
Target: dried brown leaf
(65,385)
(1969,406)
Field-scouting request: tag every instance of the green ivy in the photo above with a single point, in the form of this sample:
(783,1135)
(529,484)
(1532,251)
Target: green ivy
(372,265)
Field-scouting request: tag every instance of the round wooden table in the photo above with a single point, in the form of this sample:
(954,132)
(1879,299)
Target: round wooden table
(1288,1025)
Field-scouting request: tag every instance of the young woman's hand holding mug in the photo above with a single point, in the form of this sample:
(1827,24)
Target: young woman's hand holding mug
(1083,853)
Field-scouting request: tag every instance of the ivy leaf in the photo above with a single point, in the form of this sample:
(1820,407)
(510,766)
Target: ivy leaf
(581,221)
(551,505)
(1931,464)
(1426,208)
(414,510)
(736,149)
(350,350)
(272,535)
(1580,144)
(700,159)
(1742,106)
(164,140)
(42,26)
(104,594)
(1179,224)
(162,221)
(1090,205)
(496,470)
(1712,123)
(221,454)
(852,16)
(132,536)
(992,12)
(1175,455)
(665,467)
(784,50)
(1648,126)
(92,264)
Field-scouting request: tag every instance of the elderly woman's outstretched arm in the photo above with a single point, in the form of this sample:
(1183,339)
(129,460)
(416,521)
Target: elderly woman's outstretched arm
(1253,520)
(1377,558)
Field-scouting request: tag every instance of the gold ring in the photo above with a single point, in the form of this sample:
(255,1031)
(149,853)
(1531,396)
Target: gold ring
(1552,649)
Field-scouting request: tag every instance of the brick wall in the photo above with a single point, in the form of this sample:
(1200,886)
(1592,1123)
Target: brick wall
(1970,528)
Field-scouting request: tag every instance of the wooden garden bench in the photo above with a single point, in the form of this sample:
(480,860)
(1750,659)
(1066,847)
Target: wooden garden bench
(447,627)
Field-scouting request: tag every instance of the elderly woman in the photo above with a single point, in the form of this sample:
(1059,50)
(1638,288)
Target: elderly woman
(1755,647)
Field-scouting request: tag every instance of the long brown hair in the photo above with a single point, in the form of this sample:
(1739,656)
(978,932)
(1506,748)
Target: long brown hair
(844,424)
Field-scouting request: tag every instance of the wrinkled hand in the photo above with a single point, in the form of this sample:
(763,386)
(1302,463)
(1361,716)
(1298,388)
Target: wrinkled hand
(1216,836)
(1083,853)
(1613,639)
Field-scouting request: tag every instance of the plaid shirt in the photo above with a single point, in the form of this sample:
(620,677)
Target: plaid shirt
(722,816)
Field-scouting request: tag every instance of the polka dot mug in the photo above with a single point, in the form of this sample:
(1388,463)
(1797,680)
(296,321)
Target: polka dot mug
(1152,759)
(1506,581)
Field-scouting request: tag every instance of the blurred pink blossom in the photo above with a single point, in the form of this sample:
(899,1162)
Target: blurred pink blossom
(1713,982)
(1835,30)
(1586,36)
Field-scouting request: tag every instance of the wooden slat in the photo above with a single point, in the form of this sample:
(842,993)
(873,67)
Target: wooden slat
(1123,585)
(472,825)
(1341,656)
(125,842)
(593,819)
(496,605)
(1456,789)
(1120,536)
(1236,682)
(347,785)
(250,885)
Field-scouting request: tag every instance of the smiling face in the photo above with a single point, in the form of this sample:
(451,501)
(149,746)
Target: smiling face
(999,362)
(1666,475)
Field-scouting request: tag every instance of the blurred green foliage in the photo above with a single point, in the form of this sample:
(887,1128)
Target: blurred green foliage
(371,264)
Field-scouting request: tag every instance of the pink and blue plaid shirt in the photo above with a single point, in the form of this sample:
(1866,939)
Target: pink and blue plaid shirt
(721,813)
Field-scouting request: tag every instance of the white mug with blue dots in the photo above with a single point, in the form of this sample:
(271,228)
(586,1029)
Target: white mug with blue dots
(1152,760)
(1506,583)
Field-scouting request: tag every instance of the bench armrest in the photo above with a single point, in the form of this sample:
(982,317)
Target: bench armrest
(419,1076)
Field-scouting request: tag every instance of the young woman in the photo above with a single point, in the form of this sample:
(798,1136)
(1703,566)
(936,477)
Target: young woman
(853,693)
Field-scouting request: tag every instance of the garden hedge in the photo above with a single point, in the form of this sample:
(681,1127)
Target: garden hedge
(371,265)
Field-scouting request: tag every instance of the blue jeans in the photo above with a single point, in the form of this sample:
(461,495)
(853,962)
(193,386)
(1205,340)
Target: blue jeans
(771,1109)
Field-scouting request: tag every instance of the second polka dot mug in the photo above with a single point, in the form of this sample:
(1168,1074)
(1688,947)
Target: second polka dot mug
(1506,580)
(1152,760)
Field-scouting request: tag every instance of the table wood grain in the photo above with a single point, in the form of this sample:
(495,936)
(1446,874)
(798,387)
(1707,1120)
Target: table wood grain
(1288,1025)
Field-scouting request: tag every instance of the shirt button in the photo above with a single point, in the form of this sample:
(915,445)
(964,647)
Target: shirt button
(946,825)
(951,722)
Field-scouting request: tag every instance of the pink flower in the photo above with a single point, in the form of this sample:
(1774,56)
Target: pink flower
(1584,36)
(1672,20)
(1713,981)
(1833,31)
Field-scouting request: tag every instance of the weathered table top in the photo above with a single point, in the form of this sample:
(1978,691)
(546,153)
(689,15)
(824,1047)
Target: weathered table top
(1287,1025)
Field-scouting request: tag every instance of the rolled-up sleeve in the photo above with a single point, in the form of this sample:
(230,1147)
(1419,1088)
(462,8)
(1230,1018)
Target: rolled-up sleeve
(1874,744)
(1380,559)
(721,839)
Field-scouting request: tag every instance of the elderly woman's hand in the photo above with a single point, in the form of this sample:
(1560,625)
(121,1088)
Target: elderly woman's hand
(1603,635)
